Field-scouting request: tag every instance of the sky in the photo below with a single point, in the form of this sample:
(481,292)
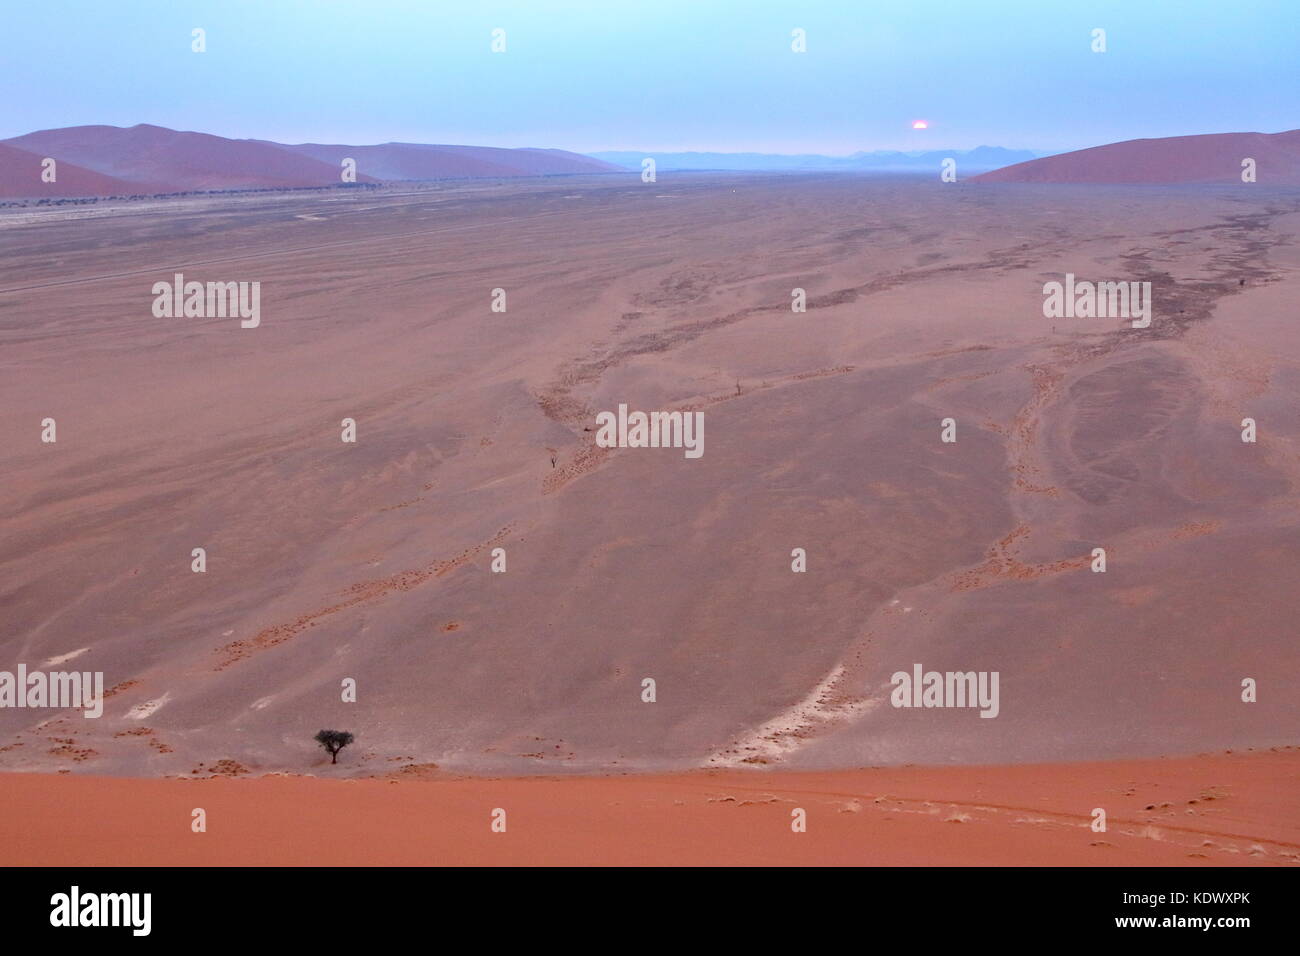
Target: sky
(663,75)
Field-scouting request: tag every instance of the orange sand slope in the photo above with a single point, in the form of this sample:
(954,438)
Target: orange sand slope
(1208,158)
(1232,809)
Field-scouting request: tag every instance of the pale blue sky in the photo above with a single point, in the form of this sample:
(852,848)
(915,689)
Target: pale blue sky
(664,75)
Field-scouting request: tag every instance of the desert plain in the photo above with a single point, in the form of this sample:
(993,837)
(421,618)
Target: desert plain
(371,562)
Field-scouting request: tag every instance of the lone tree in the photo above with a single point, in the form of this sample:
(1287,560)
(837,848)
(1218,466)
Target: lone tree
(333,741)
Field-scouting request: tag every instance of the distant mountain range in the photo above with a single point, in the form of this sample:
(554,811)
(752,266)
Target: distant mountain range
(1209,158)
(144,159)
(151,160)
(885,161)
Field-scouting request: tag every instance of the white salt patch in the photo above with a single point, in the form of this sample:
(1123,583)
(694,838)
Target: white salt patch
(788,732)
(149,707)
(55,661)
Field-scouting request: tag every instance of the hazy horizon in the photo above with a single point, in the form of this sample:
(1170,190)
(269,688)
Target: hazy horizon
(580,77)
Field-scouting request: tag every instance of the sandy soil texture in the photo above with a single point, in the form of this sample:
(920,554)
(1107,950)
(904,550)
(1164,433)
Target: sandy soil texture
(1233,810)
(371,561)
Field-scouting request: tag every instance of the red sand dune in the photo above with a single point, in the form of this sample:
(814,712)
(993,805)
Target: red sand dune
(414,161)
(146,159)
(1213,158)
(1220,810)
(20,177)
(166,160)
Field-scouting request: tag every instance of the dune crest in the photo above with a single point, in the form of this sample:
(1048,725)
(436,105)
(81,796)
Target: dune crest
(1208,158)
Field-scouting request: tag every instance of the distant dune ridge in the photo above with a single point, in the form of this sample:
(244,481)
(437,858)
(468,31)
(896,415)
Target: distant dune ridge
(1210,158)
(20,175)
(415,161)
(144,159)
(154,159)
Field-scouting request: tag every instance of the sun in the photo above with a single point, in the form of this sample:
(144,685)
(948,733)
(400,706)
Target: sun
(920,124)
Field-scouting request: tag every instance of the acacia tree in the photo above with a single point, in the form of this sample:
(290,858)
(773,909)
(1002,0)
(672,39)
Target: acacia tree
(333,741)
